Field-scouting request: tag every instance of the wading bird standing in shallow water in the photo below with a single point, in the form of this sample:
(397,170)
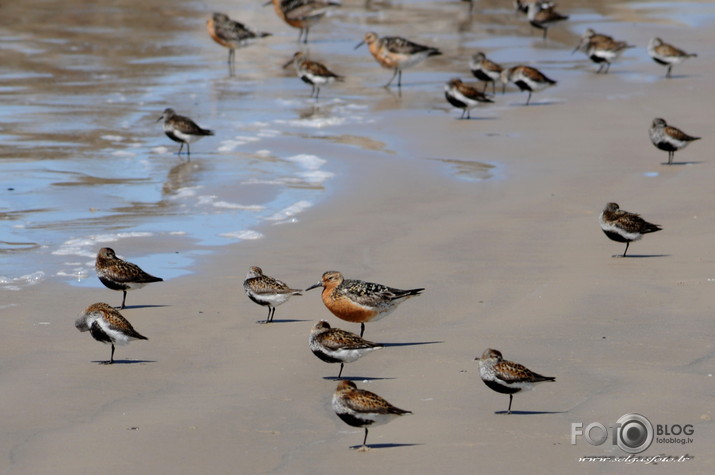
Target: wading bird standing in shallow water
(527,79)
(313,73)
(485,70)
(601,49)
(301,14)
(182,130)
(507,377)
(231,34)
(622,226)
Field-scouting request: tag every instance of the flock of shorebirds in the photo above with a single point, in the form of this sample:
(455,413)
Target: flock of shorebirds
(359,301)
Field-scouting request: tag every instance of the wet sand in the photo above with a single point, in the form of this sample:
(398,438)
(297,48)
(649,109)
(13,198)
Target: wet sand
(515,262)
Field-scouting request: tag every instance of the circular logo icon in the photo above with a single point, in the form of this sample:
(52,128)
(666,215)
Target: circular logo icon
(635,433)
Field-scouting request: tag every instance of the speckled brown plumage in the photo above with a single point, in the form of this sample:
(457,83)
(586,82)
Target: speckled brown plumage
(118,274)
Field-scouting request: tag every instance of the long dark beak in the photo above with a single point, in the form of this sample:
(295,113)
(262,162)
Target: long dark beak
(576,48)
(292,60)
(160,118)
(319,284)
(359,44)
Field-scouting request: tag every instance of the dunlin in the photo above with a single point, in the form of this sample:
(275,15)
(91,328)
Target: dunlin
(527,79)
(358,301)
(231,34)
(523,5)
(182,129)
(313,73)
(622,226)
(485,70)
(669,138)
(463,97)
(601,49)
(267,291)
(117,274)
(667,55)
(107,325)
(334,345)
(302,14)
(542,15)
(507,377)
(393,52)
(361,408)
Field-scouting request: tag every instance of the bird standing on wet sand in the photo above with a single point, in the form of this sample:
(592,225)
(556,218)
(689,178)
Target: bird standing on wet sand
(542,15)
(334,345)
(182,129)
(622,226)
(230,34)
(267,291)
(669,138)
(107,325)
(526,78)
(358,301)
(393,52)
(302,13)
(360,408)
(667,55)
(313,73)
(463,96)
(601,49)
(507,377)
(485,70)
(117,274)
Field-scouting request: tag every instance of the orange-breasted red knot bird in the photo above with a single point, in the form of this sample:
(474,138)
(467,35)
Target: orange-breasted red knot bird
(622,226)
(267,291)
(302,14)
(527,79)
(485,70)
(393,52)
(669,139)
(361,408)
(334,345)
(542,15)
(507,377)
(667,55)
(231,34)
(463,96)
(601,49)
(117,274)
(358,301)
(182,129)
(313,73)
(107,325)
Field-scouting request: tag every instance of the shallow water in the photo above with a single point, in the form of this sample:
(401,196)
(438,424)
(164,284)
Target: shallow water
(86,165)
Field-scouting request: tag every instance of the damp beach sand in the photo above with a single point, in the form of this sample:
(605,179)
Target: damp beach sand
(497,218)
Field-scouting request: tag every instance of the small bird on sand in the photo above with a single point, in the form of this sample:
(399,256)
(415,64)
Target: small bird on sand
(542,15)
(622,226)
(267,291)
(669,139)
(361,408)
(107,325)
(358,301)
(507,377)
(666,54)
(334,345)
(182,130)
(601,49)
(527,79)
(485,70)
(463,96)
(117,274)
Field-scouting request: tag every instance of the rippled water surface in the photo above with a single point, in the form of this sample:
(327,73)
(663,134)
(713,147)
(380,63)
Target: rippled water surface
(85,163)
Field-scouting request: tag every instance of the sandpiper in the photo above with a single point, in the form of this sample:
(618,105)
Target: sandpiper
(302,14)
(313,73)
(669,138)
(358,301)
(334,345)
(117,274)
(667,55)
(182,129)
(231,34)
(361,408)
(507,377)
(622,226)
(542,15)
(485,70)
(267,291)
(107,325)
(601,49)
(393,52)
(523,5)
(463,97)
(526,78)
